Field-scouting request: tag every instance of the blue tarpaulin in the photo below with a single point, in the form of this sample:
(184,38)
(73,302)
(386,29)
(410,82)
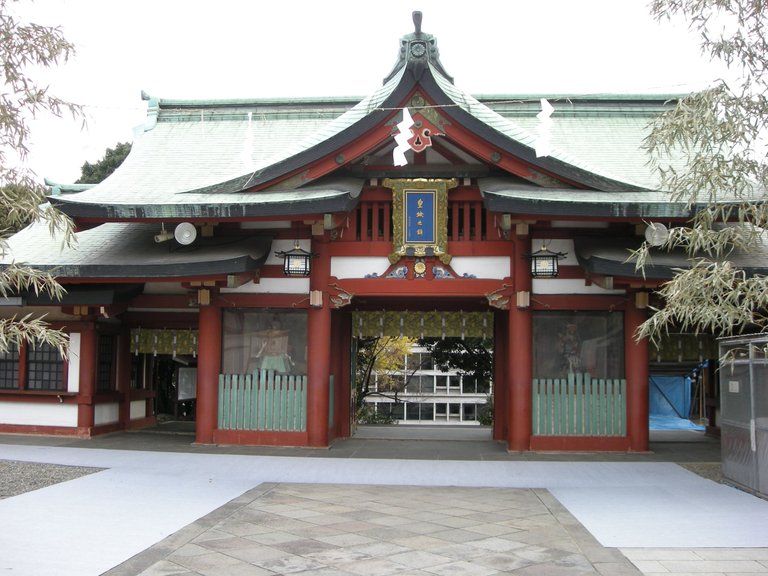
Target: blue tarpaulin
(669,403)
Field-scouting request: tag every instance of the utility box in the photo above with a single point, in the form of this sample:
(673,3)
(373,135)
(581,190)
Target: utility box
(744,411)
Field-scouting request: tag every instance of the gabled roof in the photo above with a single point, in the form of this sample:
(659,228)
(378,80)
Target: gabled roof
(272,158)
(214,202)
(602,258)
(504,195)
(124,251)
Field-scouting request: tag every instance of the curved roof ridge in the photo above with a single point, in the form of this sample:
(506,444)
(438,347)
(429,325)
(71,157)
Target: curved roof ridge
(362,109)
(349,118)
(264,155)
(510,129)
(581,96)
(419,64)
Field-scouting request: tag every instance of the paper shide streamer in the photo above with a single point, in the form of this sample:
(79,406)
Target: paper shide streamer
(543,143)
(404,134)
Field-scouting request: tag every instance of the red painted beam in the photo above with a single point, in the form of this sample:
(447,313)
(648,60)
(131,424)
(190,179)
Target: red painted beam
(491,154)
(42,430)
(393,287)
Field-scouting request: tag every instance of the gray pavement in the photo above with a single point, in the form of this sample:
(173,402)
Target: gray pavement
(421,501)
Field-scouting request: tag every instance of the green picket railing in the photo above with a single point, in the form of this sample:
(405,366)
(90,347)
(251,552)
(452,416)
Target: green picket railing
(264,400)
(579,406)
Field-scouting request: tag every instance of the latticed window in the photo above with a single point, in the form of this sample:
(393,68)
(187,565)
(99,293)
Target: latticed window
(45,368)
(9,368)
(104,381)
(467,220)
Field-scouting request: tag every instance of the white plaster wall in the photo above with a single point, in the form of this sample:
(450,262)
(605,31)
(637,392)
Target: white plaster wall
(562,285)
(106,413)
(495,267)
(570,286)
(36,414)
(351,267)
(138,409)
(557,245)
(272,286)
(73,367)
(276,285)
(284,246)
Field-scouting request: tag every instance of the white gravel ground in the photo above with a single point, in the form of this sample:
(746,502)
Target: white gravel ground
(19,477)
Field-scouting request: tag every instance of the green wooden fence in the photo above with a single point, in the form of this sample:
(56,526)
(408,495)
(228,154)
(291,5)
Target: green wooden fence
(264,400)
(579,406)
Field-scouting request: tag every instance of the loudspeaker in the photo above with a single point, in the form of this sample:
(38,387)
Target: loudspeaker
(185,233)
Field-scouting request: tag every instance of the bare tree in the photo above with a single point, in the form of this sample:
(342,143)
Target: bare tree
(23,48)
(720,133)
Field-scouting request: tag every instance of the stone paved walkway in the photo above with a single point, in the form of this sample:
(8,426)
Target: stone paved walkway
(285,519)
(308,529)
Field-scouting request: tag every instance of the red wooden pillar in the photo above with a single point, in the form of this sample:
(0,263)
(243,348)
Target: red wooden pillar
(500,376)
(208,369)
(636,368)
(319,350)
(520,356)
(123,376)
(342,335)
(87,383)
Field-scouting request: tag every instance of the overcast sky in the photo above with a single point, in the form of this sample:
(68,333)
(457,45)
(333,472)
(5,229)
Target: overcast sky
(193,49)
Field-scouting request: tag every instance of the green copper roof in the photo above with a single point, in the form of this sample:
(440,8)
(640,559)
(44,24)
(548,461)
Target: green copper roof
(203,158)
(218,203)
(597,256)
(129,250)
(511,128)
(506,195)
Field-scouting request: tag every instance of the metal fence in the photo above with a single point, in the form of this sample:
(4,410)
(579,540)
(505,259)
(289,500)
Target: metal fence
(744,411)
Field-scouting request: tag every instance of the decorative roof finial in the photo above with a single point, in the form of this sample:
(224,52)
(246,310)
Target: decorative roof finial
(418,51)
(417,21)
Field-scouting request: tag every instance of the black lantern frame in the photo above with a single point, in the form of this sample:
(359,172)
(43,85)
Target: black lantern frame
(544,262)
(297,261)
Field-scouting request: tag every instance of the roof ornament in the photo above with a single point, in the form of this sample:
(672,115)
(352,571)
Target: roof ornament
(417,21)
(418,50)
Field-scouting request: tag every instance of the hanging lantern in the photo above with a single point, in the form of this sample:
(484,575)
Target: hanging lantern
(297,261)
(544,262)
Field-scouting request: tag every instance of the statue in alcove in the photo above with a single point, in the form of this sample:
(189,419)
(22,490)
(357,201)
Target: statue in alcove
(269,349)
